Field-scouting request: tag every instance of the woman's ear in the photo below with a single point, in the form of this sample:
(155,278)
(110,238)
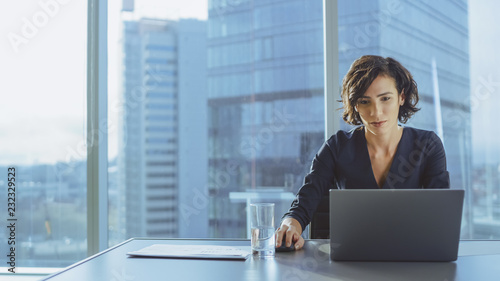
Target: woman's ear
(402,98)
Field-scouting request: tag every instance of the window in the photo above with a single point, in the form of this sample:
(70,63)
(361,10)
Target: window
(220,103)
(43,132)
(484,191)
(445,46)
(264,93)
(259,60)
(216,102)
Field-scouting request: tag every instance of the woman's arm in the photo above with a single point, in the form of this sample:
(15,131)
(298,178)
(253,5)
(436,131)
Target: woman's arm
(435,173)
(317,183)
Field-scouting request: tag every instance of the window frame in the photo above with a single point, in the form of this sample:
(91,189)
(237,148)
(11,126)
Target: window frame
(96,136)
(331,63)
(97,120)
(97,189)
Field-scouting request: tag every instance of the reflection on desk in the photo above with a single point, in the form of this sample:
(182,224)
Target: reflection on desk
(311,263)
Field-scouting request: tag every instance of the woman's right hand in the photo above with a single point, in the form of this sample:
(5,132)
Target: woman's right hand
(292,228)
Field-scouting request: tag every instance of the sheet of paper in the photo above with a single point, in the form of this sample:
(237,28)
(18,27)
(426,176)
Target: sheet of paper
(193,251)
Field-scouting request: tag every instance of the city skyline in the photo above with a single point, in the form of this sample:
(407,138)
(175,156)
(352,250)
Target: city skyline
(261,136)
(38,54)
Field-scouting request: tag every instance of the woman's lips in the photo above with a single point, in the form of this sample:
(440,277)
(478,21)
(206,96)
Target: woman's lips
(377,124)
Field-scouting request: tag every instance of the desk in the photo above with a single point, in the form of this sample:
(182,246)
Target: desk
(478,260)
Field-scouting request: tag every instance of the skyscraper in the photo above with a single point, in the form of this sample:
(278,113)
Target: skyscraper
(155,96)
(265,87)
(266,62)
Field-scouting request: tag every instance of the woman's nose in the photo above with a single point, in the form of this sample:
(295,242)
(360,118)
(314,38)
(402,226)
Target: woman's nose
(375,110)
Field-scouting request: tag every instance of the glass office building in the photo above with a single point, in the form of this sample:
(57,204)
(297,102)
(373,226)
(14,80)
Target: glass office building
(265,65)
(219,111)
(265,99)
(162,116)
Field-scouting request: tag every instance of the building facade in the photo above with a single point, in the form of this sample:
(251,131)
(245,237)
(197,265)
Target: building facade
(265,98)
(160,62)
(265,66)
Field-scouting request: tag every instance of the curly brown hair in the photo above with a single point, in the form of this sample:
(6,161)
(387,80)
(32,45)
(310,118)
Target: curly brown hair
(361,75)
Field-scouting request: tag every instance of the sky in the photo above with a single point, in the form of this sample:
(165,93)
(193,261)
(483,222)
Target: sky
(144,8)
(43,70)
(43,80)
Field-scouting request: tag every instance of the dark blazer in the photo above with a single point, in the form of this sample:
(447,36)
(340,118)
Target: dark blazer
(343,162)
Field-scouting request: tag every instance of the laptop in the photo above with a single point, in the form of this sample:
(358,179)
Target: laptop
(395,224)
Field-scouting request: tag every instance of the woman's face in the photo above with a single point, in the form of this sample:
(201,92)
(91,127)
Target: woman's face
(379,106)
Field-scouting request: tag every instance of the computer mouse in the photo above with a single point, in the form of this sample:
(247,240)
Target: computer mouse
(283,247)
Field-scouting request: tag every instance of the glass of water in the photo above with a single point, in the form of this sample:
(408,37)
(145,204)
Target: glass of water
(262,227)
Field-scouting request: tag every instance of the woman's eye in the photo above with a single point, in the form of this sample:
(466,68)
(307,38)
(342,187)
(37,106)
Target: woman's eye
(363,102)
(386,98)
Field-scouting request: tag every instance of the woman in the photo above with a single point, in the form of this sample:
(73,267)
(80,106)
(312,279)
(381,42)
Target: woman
(376,93)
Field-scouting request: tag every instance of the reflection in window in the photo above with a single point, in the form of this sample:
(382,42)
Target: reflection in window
(260,103)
